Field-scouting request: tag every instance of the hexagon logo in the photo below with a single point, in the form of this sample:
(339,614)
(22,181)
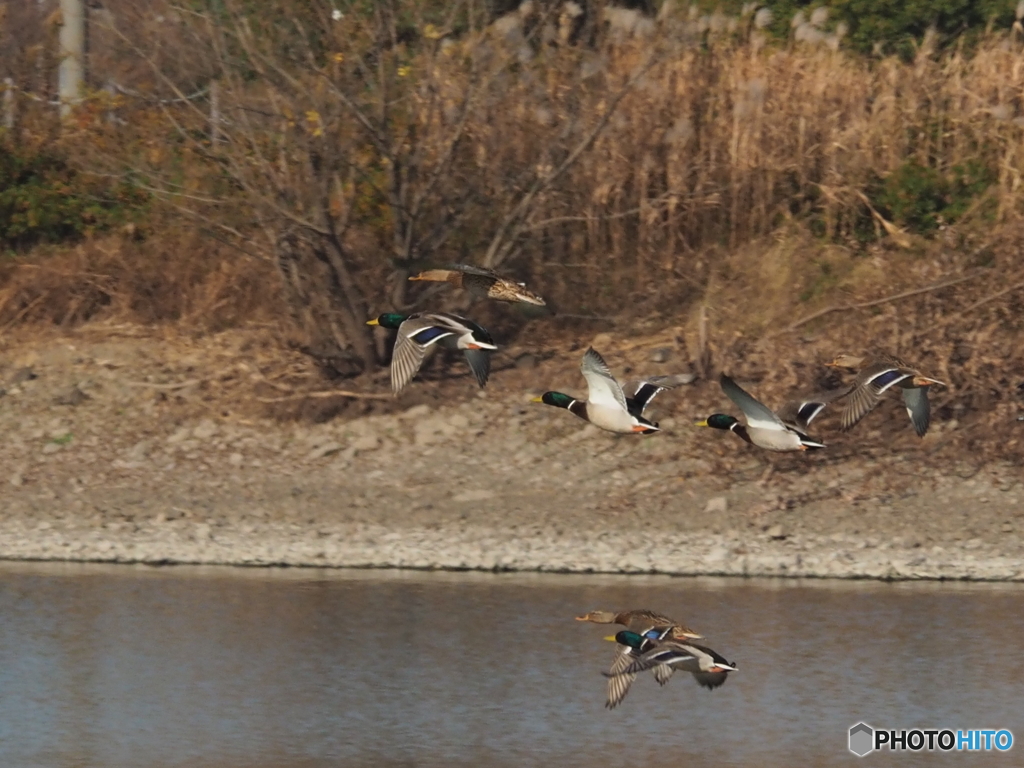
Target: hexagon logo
(862,739)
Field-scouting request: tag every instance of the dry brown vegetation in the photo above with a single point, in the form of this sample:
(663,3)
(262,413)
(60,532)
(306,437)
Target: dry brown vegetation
(656,180)
(177,277)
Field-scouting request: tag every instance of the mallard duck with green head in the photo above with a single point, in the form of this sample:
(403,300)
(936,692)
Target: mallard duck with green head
(654,651)
(878,374)
(418,333)
(606,405)
(782,431)
(619,681)
(709,668)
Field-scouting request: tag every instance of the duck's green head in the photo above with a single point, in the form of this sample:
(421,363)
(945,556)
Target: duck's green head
(718,421)
(557,399)
(388,320)
(627,638)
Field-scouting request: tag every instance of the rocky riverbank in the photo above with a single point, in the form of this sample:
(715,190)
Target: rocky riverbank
(131,448)
(479,548)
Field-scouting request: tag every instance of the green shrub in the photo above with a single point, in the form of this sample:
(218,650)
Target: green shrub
(920,197)
(891,27)
(44,199)
(897,27)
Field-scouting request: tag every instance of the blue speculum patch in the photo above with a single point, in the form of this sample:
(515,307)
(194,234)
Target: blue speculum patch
(428,335)
(885,379)
(807,411)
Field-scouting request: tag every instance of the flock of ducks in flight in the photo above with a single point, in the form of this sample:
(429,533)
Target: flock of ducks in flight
(607,406)
(650,640)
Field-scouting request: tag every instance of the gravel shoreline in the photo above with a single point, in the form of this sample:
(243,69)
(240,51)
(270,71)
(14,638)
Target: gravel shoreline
(489,550)
(123,472)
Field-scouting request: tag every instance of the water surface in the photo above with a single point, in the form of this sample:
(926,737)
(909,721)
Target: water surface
(160,667)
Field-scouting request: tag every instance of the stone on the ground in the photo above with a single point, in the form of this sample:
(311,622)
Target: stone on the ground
(717,505)
(325,449)
(204,430)
(661,355)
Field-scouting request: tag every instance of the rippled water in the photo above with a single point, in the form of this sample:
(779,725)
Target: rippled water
(125,666)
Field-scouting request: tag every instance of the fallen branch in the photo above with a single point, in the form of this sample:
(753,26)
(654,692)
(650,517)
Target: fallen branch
(987,299)
(897,234)
(153,385)
(514,223)
(876,302)
(275,385)
(571,316)
(28,308)
(331,393)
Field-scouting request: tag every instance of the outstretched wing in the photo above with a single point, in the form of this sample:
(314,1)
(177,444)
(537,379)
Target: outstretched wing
(415,336)
(884,374)
(602,388)
(480,363)
(800,413)
(645,391)
(863,399)
(868,388)
(918,408)
(619,681)
(758,415)
(662,673)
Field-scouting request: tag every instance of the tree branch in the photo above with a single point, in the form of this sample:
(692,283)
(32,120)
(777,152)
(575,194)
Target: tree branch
(512,225)
(329,393)
(877,302)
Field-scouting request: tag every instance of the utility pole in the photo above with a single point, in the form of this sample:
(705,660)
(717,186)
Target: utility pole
(71,73)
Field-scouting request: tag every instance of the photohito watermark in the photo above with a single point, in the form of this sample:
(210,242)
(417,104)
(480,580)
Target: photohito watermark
(864,740)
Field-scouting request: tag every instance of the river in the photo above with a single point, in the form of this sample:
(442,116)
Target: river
(129,666)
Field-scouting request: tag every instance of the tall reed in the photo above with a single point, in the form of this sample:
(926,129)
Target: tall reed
(724,140)
(723,144)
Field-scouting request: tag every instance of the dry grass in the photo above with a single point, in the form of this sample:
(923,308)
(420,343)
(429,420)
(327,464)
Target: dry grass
(717,145)
(723,146)
(170,277)
(702,192)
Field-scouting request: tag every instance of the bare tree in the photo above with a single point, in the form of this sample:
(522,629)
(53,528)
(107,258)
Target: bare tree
(362,139)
